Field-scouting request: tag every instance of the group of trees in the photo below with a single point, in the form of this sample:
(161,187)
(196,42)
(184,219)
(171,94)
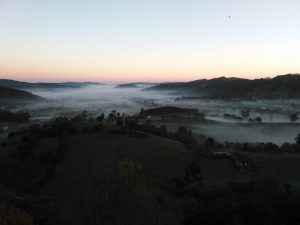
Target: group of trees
(268,147)
(167,110)
(182,134)
(8,116)
(264,200)
(34,167)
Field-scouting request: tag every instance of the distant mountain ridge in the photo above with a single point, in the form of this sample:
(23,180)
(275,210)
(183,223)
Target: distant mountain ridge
(25,85)
(8,94)
(136,85)
(283,86)
(129,85)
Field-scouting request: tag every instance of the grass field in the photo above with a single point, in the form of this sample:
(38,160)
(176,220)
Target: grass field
(95,154)
(218,172)
(285,166)
(90,155)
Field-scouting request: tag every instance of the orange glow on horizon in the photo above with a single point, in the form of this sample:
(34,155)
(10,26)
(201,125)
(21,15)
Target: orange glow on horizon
(72,71)
(115,77)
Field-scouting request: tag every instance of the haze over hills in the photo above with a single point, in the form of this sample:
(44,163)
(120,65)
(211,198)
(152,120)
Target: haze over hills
(25,85)
(137,85)
(284,86)
(7,93)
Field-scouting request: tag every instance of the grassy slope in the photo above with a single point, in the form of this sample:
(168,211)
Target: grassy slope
(218,172)
(285,166)
(88,155)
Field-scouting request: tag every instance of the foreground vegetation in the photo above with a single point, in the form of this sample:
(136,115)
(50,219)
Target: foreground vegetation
(8,116)
(116,170)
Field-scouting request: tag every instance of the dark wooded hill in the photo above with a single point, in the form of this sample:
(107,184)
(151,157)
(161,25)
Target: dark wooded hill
(25,85)
(8,94)
(284,86)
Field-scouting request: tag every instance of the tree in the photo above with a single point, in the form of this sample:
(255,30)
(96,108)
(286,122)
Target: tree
(209,142)
(293,117)
(101,118)
(258,119)
(298,139)
(270,147)
(285,147)
(163,131)
(142,112)
(193,174)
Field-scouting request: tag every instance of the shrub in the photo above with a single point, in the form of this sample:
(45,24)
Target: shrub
(209,142)
(270,147)
(293,117)
(25,138)
(85,130)
(48,157)
(8,116)
(10,215)
(24,151)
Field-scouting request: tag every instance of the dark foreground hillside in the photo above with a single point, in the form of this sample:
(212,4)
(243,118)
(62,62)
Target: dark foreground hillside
(79,171)
(88,174)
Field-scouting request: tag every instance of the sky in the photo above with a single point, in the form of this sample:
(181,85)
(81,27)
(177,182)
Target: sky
(148,40)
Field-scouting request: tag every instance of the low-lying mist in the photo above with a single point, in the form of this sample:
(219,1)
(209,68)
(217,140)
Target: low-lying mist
(97,99)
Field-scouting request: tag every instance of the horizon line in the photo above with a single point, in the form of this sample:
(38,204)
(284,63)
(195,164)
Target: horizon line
(142,81)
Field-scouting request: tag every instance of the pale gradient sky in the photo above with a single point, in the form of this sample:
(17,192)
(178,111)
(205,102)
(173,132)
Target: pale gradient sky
(148,40)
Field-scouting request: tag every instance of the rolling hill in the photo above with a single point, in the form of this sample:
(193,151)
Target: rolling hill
(7,94)
(284,86)
(85,172)
(136,85)
(26,85)
(129,85)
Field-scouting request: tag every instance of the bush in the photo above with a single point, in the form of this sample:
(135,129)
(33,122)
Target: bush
(270,147)
(10,215)
(72,131)
(97,128)
(48,157)
(285,147)
(209,142)
(24,151)
(25,138)
(8,116)
(293,117)
(85,130)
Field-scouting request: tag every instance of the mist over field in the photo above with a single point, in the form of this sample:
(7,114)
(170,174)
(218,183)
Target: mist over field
(96,99)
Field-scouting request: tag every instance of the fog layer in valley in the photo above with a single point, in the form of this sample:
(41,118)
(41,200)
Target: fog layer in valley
(97,99)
